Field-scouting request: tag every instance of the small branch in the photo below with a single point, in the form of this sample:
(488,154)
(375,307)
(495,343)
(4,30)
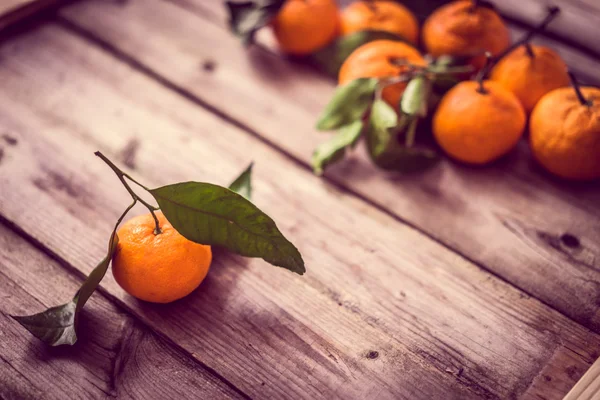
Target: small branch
(483,72)
(122,175)
(529,50)
(411,132)
(125,213)
(580,96)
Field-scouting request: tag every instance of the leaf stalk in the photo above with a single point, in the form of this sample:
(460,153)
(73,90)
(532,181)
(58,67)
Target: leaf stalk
(122,175)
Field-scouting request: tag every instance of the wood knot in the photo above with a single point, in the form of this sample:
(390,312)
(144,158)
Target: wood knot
(209,65)
(11,141)
(569,240)
(372,355)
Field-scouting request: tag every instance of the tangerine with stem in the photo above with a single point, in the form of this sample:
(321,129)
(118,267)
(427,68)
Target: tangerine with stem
(158,267)
(304,26)
(478,121)
(382,59)
(564,132)
(465,29)
(387,16)
(531,71)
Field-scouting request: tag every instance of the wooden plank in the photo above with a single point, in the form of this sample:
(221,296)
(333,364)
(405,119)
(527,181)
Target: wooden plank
(116,356)
(588,388)
(505,217)
(383,311)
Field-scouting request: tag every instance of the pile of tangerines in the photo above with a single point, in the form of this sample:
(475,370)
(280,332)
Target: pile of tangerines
(511,87)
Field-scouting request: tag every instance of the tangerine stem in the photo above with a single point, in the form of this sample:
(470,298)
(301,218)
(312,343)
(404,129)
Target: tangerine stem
(483,72)
(529,50)
(122,175)
(124,213)
(580,96)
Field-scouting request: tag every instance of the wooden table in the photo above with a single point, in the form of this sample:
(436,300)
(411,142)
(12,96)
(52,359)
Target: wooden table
(453,283)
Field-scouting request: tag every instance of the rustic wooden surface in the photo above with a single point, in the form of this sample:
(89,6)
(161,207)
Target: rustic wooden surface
(456,283)
(478,212)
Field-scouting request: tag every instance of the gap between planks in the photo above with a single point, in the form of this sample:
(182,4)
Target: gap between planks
(182,91)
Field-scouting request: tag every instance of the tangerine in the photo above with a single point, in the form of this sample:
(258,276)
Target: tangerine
(381,59)
(463,29)
(387,16)
(564,132)
(477,123)
(304,26)
(158,268)
(531,73)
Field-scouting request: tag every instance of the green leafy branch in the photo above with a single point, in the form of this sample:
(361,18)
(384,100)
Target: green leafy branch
(203,213)
(357,110)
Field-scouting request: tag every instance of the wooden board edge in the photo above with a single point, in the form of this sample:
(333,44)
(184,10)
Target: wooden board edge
(588,387)
(27,10)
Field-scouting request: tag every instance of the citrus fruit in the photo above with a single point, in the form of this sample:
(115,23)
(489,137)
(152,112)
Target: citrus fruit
(304,26)
(565,133)
(381,59)
(531,75)
(478,127)
(387,16)
(158,268)
(462,29)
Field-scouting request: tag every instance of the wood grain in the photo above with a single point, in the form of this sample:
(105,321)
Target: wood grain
(383,312)
(116,356)
(503,217)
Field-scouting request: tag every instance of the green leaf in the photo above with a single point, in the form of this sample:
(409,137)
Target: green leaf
(55,326)
(331,57)
(416,96)
(382,119)
(58,325)
(407,159)
(213,215)
(334,150)
(247,17)
(384,148)
(348,104)
(243,183)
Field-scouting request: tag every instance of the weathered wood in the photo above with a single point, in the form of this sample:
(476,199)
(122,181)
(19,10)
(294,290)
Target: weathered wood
(383,311)
(116,356)
(510,217)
